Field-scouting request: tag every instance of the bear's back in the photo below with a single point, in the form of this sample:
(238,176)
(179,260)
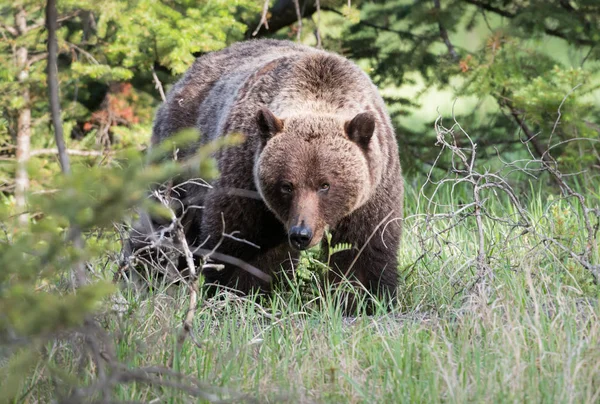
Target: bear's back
(222,90)
(215,77)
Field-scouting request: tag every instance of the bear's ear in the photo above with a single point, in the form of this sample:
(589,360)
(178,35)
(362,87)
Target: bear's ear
(268,124)
(360,129)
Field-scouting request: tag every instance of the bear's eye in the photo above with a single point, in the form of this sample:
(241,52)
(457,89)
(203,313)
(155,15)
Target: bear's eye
(324,187)
(286,188)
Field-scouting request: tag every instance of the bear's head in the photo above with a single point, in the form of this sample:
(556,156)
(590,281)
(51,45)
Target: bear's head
(312,171)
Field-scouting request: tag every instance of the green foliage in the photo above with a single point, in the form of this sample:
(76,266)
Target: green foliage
(311,267)
(100,72)
(535,321)
(510,59)
(104,47)
(144,32)
(35,301)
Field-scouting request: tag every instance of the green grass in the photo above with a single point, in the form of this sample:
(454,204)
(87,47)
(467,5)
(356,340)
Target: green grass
(530,333)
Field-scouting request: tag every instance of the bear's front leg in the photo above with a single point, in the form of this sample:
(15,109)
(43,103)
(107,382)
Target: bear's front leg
(372,263)
(273,262)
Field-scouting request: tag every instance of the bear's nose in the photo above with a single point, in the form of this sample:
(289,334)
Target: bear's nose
(300,236)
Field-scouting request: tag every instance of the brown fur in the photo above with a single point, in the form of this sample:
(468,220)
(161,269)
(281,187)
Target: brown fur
(312,119)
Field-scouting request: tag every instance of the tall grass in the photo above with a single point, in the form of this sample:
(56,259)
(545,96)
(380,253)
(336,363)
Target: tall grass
(530,335)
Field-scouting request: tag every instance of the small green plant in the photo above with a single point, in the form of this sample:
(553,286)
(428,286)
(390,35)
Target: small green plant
(37,306)
(311,266)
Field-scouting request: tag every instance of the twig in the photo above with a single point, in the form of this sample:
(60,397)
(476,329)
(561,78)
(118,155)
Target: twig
(263,18)
(72,152)
(84,52)
(471,177)
(158,85)
(299,15)
(11,30)
(192,284)
(318,30)
(381,223)
(531,137)
(228,259)
(36,58)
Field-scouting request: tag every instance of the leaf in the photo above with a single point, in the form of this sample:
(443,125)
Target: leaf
(340,247)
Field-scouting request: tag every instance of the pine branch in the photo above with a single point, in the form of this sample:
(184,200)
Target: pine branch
(402,34)
(444,33)
(549,31)
(489,7)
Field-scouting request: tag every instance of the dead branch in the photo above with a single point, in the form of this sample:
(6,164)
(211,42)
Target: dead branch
(72,152)
(158,85)
(228,259)
(168,243)
(36,58)
(11,30)
(432,226)
(470,176)
(318,29)
(263,18)
(192,279)
(282,14)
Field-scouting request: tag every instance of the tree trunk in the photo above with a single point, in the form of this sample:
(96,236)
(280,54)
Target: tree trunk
(24,123)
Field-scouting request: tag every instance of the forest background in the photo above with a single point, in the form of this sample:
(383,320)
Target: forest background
(516,82)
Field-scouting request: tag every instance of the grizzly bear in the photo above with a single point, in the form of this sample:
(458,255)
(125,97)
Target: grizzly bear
(319,153)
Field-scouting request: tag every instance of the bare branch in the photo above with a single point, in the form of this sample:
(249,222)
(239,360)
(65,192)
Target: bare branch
(531,137)
(158,85)
(283,14)
(53,86)
(318,30)
(228,259)
(36,58)
(72,152)
(263,18)
(11,30)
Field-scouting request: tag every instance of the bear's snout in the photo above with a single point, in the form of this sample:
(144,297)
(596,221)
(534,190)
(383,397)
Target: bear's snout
(300,236)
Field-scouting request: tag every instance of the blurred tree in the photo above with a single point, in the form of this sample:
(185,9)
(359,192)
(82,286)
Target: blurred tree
(116,56)
(21,55)
(113,56)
